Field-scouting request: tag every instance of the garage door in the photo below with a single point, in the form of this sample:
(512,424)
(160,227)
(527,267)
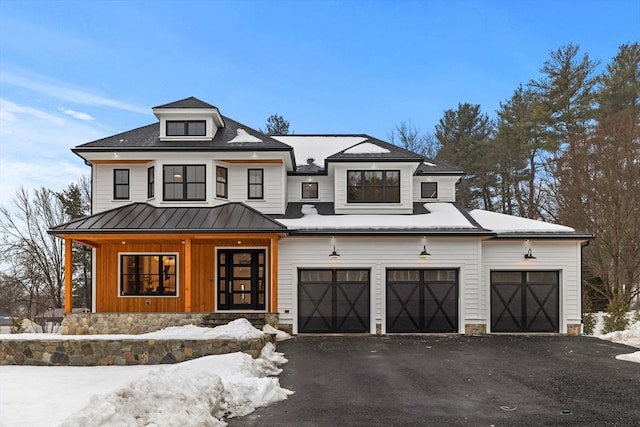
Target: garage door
(333,300)
(424,300)
(524,301)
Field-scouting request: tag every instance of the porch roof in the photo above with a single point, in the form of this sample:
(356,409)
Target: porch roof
(145,218)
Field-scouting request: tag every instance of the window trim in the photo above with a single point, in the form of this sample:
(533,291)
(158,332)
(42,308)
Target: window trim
(384,186)
(151,182)
(302,196)
(185,183)
(422,190)
(259,185)
(185,128)
(225,183)
(175,273)
(117,185)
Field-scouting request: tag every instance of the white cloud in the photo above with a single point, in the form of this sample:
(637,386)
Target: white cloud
(64,91)
(76,114)
(10,110)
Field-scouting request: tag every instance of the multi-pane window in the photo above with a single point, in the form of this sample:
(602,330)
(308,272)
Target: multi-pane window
(309,190)
(377,186)
(186,128)
(256,184)
(184,182)
(429,190)
(121,184)
(148,274)
(221,182)
(151,182)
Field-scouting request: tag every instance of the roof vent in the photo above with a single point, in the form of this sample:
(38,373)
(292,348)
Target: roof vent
(310,161)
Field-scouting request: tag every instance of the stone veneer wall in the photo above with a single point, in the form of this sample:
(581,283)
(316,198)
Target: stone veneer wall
(92,352)
(125,323)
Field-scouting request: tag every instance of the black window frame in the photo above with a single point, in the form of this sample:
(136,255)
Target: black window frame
(121,186)
(224,185)
(361,187)
(186,128)
(309,185)
(151,182)
(186,182)
(134,281)
(255,185)
(424,193)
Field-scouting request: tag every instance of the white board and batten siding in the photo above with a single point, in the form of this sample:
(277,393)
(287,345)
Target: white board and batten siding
(446,187)
(377,255)
(558,255)
(325,188)
(102,198)
(274,178)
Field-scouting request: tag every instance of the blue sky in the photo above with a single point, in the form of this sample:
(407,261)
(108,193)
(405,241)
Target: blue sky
(75,71)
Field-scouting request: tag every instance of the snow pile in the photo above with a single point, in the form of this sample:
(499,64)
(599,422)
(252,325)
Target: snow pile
(199,392)
(280,335)
(240,329)
(366,148)
(629,337)
(243,136)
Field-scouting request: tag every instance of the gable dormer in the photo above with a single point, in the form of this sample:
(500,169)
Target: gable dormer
(188,119)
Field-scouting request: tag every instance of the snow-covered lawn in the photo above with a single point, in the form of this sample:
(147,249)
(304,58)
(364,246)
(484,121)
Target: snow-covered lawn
(198,392)
(630,336)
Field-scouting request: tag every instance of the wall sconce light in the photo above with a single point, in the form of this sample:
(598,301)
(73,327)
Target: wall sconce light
(334,254)
(529,255)
(424,253)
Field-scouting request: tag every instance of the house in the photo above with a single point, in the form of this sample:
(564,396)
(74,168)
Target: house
(198,214)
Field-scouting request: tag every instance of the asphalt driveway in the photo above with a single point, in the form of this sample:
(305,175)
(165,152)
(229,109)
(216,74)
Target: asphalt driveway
(454,380)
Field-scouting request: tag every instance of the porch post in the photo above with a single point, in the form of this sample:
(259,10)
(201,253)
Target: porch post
(273,282)
(68,275)
(187,275)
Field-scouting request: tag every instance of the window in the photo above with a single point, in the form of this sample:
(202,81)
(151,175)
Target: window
(184,182)
(148,274)
(186,128)
(256,183)
(373,186)
(309,190)
(429,190)
(151,182)
(121,184)
(221,182)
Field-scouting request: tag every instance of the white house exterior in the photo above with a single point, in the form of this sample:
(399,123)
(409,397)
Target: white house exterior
(197,213)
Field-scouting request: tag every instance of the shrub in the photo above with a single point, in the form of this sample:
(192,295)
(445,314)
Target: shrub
(16,324)
(616,317)
(588,317)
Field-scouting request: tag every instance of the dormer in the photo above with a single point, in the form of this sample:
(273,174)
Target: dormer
(188,119)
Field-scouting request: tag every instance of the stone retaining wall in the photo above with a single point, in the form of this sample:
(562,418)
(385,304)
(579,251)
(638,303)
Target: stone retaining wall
(92,352)
(125,323)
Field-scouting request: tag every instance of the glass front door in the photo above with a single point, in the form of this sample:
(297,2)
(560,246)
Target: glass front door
(241,279)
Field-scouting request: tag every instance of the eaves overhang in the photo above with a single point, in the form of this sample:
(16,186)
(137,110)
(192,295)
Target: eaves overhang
(392,232)
(516,235)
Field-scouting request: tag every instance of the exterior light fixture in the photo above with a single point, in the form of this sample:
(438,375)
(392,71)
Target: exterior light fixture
(334,254)
(529,255)
(424,254)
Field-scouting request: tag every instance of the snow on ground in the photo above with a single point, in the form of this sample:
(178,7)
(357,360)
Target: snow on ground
(630,337)
(199,392)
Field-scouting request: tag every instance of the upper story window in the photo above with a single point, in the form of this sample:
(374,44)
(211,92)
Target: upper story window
(429,190)
(151,182)
(221,182)
(121,184)
(309,190)
(148,274)
(256,184)
(186,128)
(373,186)
(184,182)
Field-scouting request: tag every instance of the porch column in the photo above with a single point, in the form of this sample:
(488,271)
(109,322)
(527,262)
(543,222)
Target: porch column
(273,280)
(68,275)
(187,275)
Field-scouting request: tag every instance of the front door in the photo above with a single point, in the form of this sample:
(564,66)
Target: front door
(241,279)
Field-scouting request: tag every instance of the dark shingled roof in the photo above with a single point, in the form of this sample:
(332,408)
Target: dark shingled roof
(190,102)
(435,167)
(143,217)
(148,137)
(395,153)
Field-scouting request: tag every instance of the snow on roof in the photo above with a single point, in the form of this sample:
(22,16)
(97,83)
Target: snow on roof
(429,164)
(508,223)
(441,215)
(366,148)
(318,147)
(243,136)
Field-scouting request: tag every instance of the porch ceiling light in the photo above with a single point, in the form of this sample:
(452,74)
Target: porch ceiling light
(334,254)
(529,255)
(424,254)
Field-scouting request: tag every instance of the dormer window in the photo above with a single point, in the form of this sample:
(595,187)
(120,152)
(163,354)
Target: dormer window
(186,127)
(376,186)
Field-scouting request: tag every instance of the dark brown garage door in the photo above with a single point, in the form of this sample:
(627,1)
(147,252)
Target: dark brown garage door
(333,300)
(424,300)
(524,301)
